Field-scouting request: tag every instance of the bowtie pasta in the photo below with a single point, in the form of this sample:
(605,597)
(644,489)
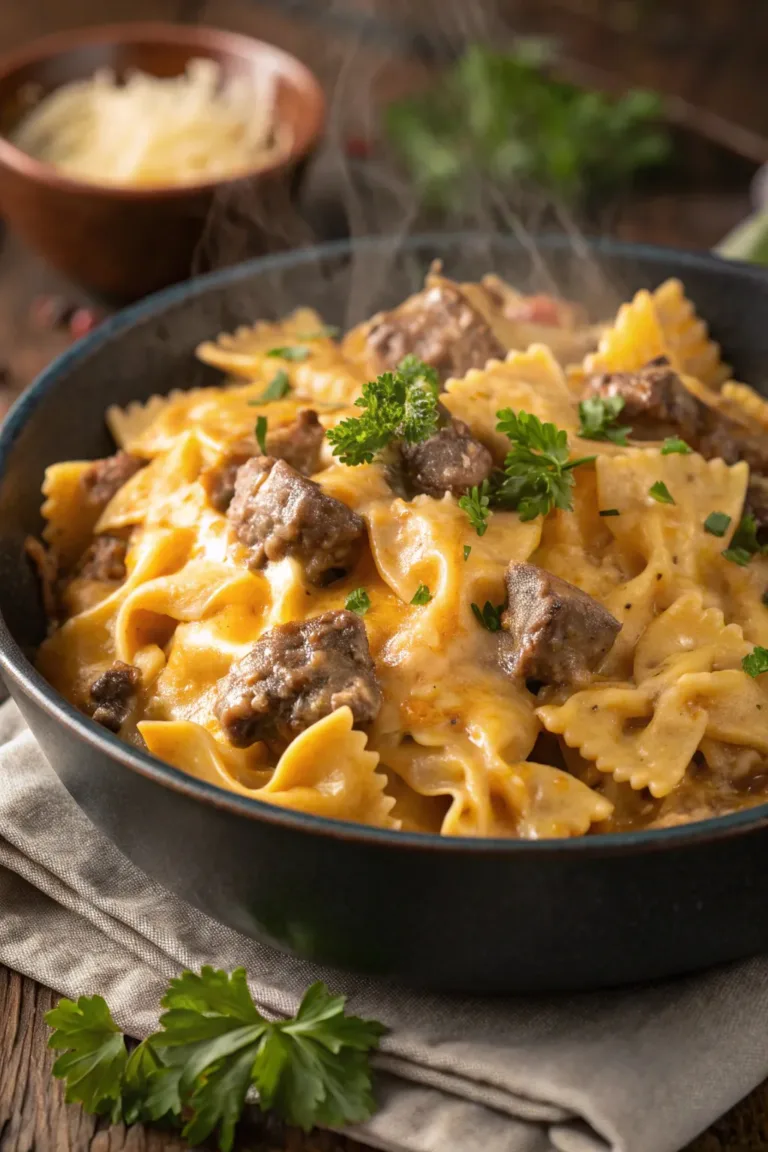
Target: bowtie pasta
(477,568)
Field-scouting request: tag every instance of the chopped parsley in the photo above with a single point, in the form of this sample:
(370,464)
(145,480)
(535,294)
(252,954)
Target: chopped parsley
(598,416)
(674,445)
(609,512)
(358,601)
(757,662)
(717,523)
(537,473)
(468,549)
(261,434)
(488,616)
(278,387)
(660,493)
(400,405)
(293,352)
(744,543)
(476,504)
(422,595)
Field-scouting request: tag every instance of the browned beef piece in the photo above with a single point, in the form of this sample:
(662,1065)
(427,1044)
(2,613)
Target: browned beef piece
(441,328)
(298,443)
(104,559)
(656,402)
(106,477)
(733,442)
(296,674)
(450,461)
(219,482)
(757,504)
(275,512)
(112,694)
(553,633)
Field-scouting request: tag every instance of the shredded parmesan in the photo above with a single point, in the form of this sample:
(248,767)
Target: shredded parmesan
(150,131)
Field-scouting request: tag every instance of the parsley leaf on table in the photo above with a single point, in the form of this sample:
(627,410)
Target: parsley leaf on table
(278,387)
(476,504)
(293,352)
(598,416)
(756,663)
(660,493)
(358,601)
(537,473)
(674,445)
(214,1045)
(399,405)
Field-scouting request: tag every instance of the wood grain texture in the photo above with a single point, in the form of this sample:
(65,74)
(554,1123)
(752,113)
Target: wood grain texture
(34,1117)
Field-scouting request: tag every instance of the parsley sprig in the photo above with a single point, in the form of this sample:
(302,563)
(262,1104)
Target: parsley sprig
(538,475)
(400,405)
(212,1048)
(477,505)
(598,416)
(756,663)
(744,542)
(278,387)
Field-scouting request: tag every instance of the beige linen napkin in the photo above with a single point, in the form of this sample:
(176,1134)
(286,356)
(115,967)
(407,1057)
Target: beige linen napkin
(637,1071)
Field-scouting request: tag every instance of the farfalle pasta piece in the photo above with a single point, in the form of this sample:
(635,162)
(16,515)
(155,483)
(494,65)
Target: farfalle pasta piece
(529,381)
(743,400)
(635,337)
(194,750)
(242,352)
(687,336)
(69,519)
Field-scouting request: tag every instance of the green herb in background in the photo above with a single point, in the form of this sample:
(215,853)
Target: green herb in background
(500,119)
(293,352)
(278,387)
(212,1048)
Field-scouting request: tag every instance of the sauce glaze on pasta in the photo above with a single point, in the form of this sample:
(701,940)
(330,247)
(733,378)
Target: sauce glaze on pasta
(668,727)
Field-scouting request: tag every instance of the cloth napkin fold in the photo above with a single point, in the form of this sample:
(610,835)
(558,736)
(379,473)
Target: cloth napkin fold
(639,1070)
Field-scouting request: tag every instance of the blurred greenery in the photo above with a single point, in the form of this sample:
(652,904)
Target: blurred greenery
(748,240)
(500,119)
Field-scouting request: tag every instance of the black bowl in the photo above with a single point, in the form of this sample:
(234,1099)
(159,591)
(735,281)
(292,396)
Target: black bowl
(475,915)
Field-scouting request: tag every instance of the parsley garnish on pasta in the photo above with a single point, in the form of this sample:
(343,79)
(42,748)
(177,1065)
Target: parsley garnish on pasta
(537,473)
(358,601)
(756,663)
(598,416)
(278,387)
(214,1046)
(717,523)
(744,543)
(261,434)
(674,445)
(609,512)
(328,331)
(476,504)
(293,352)
(467,550)
(660,493)
(422,595)
(489,616)
(400,405)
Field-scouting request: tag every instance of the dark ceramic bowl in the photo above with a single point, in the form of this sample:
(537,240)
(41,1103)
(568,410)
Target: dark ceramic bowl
(124,242)
(479,915)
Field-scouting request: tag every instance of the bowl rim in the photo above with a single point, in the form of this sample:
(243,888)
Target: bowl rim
(202,36)
(17,667)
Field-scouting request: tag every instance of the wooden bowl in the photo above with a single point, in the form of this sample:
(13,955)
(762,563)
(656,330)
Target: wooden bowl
(124,242)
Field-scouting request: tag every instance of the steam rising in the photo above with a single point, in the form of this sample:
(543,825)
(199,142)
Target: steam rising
(347,196)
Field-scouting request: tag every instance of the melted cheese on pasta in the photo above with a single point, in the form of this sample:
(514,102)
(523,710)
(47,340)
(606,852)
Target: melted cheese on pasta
(458,747)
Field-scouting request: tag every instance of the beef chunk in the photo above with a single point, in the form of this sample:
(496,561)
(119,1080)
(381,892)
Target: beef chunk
(656,402)
(450,461)
(298,443)
(111,694)
(440,327)
(733,442)
(296,674)
(553,633)
(104,559)
(275,512)
(106,477)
